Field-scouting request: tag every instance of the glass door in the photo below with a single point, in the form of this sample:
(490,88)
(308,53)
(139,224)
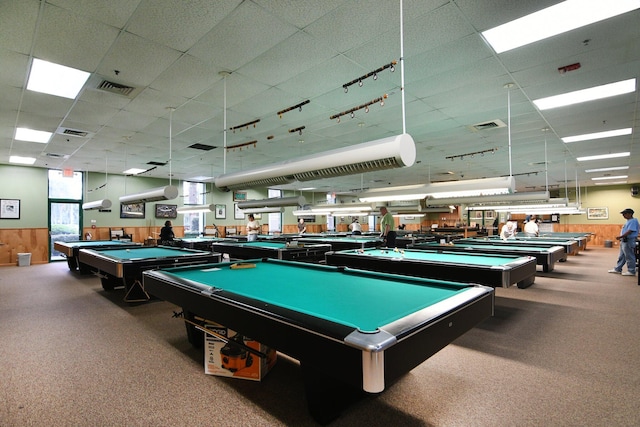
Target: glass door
(64,225)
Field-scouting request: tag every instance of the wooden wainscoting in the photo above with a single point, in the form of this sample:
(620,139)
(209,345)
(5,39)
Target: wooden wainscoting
(24,240)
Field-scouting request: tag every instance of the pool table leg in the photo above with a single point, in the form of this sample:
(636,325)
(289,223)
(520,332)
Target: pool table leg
(327,397)
(195,337)
(71,262)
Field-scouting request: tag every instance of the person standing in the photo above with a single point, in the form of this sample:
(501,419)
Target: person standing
(387,228)
(302,227)
(253,229)
(166,234)
(355,227)
(531,227)
(627,238)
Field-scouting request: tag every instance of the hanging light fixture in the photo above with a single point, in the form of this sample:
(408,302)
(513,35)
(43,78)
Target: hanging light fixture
(196,209)
(168,192)
(272,202)
(98,204)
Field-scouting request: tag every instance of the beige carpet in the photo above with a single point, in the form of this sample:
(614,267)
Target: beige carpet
(564,352)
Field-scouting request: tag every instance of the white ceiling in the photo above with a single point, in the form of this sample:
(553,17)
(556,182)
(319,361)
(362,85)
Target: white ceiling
(283,52)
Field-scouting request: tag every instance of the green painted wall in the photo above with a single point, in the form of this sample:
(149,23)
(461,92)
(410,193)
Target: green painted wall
(30,186)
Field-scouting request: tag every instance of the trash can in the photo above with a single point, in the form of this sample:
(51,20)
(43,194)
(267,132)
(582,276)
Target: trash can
(24,259)
(608,243)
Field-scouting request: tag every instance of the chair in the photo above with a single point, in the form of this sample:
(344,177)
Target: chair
(118,234)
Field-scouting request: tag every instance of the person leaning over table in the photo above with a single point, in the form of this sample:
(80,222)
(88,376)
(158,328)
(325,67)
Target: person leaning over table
(387,228)
(355,227)
(302,227)
(508,230)
(253,229)
(627,238)
(166,234)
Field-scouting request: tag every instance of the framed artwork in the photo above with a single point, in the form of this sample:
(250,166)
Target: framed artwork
(257,216)
(239,196)
(237,213)
(9,208)
(221,211)
(489,214)
(133,210)
(166,211)
(597,213)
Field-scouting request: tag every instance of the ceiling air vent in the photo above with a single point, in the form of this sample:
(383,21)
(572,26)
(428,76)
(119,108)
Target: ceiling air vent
(492,124)
(56,155)
(157,163)
(202,147)
(115,88)
(74,132)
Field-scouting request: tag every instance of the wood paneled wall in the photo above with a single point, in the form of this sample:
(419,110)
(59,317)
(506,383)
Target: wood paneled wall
(29,240)
(36,240)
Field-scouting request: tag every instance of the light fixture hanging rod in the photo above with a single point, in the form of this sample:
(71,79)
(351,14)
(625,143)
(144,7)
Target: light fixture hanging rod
(359,80)
(360,107)
(245,125)
(293,107)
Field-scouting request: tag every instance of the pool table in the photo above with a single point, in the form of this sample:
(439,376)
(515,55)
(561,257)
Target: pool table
(342,243)
(200,243)
(354,332)
(291,251)
(124,267)
(545,257)
(485,269)
(71,250)
(581,238)
(570,246)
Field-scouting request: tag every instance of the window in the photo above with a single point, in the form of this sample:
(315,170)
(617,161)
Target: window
(194,194)
(275,219)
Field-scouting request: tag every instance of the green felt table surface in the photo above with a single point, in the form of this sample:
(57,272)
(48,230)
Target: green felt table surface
(258,244)
(417,255)
(90,243)
(340,239)
(523,249)
(146,252)
(361,300)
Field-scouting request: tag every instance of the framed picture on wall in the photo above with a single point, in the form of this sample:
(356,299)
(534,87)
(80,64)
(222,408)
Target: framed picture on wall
(239,196)
(221,211)
(166,211)
(9,208)
(597,213)
(133,210)
(237,212)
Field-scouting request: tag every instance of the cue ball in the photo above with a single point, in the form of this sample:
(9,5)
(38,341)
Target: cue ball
(128,250)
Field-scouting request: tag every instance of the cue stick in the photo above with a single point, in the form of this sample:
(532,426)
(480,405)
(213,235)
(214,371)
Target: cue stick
(224,339)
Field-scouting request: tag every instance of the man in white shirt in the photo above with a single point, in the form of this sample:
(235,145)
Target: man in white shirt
(531,227)
(253,229)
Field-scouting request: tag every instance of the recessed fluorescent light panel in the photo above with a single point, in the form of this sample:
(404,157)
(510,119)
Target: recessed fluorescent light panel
(604,156)
(133,171)
(584,95)
(55,79)
(614,168)
(22,160)
(24,134)
(602,178)
(597,135)
(554,20)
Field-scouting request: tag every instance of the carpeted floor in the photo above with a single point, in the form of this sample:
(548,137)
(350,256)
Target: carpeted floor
(563,352)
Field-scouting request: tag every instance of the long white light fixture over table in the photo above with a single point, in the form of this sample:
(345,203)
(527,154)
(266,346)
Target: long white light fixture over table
(386,153)
(98,204)
(196,209)
(168,192)
(471,188)
(272,202)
